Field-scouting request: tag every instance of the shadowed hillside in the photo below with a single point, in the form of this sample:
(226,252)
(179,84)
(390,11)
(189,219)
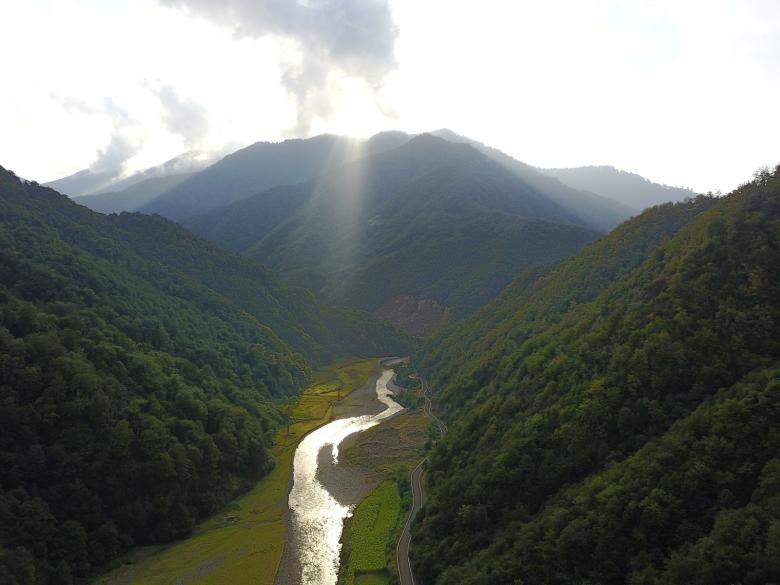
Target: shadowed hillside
(618,424)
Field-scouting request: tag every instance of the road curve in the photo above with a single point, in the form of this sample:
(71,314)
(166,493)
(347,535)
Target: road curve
(405,576)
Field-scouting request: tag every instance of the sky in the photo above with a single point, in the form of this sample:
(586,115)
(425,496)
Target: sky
(683,92)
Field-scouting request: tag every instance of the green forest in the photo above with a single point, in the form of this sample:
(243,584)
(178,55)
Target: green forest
(140,379)
(614,417)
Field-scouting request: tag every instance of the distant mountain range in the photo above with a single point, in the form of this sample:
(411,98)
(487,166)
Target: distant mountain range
(628,188)
(364,222)
(132,197)
(88,182)
(602,196)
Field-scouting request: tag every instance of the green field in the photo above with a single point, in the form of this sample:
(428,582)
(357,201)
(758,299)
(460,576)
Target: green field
(367,534)
(248,547)
(388,451)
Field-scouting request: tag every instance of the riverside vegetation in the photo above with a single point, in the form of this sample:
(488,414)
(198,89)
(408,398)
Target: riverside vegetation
(244,542)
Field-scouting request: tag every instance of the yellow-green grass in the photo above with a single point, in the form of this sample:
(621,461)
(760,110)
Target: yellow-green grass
(392,445)
(248,548)
(380,578)
(367,533)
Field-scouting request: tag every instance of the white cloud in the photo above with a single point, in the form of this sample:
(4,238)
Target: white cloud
(682,92)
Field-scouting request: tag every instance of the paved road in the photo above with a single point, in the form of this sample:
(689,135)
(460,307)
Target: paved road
(405,576)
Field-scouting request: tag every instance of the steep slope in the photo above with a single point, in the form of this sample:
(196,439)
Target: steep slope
(243,224)
(138,378)
(133,399)
(253,169)
(622,430)
(628,188)
(430,219)
(133,197)
(600,211)
(541,295)
(322,332)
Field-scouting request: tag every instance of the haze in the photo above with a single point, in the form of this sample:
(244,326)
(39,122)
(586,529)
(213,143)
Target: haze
(684,93)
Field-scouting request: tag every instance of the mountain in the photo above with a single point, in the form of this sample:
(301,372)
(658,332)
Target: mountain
(253,169)
(429,222)
(628,188)
(613,418)
(83,182)
(133,197)
(142,372)
(87,182)
(602,212)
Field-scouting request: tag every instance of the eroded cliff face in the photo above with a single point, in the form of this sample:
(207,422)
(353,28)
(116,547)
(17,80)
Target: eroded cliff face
(419,317)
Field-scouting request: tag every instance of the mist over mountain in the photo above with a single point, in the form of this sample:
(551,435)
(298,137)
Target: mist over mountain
(628,188)
(132,197)
(91,182)
(83,182)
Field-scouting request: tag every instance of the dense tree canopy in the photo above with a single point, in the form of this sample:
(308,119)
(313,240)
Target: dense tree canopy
(139,379)
(614,419)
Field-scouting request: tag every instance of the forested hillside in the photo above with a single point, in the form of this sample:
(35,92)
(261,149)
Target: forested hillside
(431,220)
(613,419)
(139,379)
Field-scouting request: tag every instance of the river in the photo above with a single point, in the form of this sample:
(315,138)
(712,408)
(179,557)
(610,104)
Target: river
(317,517)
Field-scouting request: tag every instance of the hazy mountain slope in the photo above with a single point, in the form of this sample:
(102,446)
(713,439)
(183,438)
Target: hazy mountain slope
(596,210)
(253,169)
(431,219)
(83,182)
(88,182)
(133,197)
(629,437)
(628,188)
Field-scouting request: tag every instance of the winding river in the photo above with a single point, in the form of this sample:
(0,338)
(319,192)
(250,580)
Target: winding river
(317,517)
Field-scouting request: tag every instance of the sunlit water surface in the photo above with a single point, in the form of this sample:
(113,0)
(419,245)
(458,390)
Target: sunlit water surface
(317,518)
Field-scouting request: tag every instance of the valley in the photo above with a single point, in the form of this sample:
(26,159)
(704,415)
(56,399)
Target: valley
(202,406)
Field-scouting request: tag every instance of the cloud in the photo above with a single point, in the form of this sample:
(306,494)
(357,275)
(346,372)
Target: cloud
(120,148)
(112,157)
(184,117)
(356,37)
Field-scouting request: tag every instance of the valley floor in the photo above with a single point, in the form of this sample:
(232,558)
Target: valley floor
(245,542)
